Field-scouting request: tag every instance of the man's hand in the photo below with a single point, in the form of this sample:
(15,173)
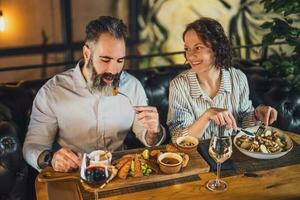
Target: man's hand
(266,114)
(221,117)
(65,160)
(149,117)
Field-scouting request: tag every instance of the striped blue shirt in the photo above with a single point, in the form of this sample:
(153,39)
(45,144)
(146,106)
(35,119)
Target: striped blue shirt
(188,101)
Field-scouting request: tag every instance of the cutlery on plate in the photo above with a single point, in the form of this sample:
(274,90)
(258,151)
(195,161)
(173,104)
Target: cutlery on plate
(261,129)
(246,132)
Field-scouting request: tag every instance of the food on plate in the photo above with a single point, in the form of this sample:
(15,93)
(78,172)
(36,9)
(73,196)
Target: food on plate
(186,159)
(119,163)
(145,154)
(144,163)
(152,165)
(155,153)
(123,171)
(268,142)
(187,144)
(137,171)
(115,91)
(135,167)
(171,148)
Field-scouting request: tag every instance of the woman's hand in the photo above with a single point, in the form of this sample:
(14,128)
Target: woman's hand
(266,114)
(221,117)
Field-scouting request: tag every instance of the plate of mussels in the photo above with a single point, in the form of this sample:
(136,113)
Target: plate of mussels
(268,144)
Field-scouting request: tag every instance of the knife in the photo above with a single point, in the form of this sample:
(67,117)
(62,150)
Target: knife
(245,131)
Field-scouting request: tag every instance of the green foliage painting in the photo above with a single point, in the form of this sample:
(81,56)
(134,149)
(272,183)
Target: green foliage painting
(282,64)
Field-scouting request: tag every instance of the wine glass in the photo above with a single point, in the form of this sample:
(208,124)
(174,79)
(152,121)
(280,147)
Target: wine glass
(94,177)
(220,149)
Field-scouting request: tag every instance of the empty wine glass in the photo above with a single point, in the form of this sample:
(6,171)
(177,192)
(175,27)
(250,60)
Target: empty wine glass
(220,149)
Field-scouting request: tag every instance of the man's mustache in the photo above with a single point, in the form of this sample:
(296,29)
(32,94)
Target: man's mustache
(98,79)
(109,76)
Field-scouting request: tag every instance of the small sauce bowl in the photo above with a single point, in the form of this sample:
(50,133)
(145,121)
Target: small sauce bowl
(187,144)
(100,156)
(170,163)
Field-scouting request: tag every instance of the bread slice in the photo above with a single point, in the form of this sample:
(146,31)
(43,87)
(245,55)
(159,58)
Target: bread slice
(119,163)
(123,171)
(137,167)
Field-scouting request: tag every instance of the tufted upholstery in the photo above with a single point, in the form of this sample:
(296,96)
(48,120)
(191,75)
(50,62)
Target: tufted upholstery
(13,170)
(268,90)
(16,101)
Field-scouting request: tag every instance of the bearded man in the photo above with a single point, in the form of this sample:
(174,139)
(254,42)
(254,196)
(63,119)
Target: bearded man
(92,106)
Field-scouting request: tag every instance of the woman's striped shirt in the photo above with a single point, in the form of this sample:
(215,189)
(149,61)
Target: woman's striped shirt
(188,101)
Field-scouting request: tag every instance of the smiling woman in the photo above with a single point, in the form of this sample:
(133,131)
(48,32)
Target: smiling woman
(198,53)
(210,41)
(211,93)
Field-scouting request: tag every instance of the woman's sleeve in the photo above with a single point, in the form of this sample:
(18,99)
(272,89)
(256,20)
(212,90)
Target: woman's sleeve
(246,111)
(180,115)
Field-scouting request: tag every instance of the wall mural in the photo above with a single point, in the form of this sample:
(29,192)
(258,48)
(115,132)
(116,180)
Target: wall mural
(163,21)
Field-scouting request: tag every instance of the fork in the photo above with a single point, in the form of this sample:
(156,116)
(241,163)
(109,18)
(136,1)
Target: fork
(261,129)
(126,97)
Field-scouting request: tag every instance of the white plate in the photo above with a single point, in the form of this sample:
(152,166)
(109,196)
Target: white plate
(260,155)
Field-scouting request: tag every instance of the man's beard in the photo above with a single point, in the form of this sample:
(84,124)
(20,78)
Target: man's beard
(97,84)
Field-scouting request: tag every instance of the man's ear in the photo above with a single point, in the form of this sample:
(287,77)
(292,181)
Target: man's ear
(86,53)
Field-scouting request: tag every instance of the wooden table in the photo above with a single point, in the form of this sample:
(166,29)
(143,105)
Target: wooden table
(280,183)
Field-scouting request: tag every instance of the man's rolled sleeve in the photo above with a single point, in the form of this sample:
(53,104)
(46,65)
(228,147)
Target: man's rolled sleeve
(31,152)
(42,129)
(162,139)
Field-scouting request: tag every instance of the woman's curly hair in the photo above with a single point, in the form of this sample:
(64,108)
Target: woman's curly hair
(213,36)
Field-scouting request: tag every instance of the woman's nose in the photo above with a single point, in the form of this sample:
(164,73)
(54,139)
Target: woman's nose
(191,55)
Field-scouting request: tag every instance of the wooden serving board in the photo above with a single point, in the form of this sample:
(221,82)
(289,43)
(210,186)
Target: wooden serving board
(196,165)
